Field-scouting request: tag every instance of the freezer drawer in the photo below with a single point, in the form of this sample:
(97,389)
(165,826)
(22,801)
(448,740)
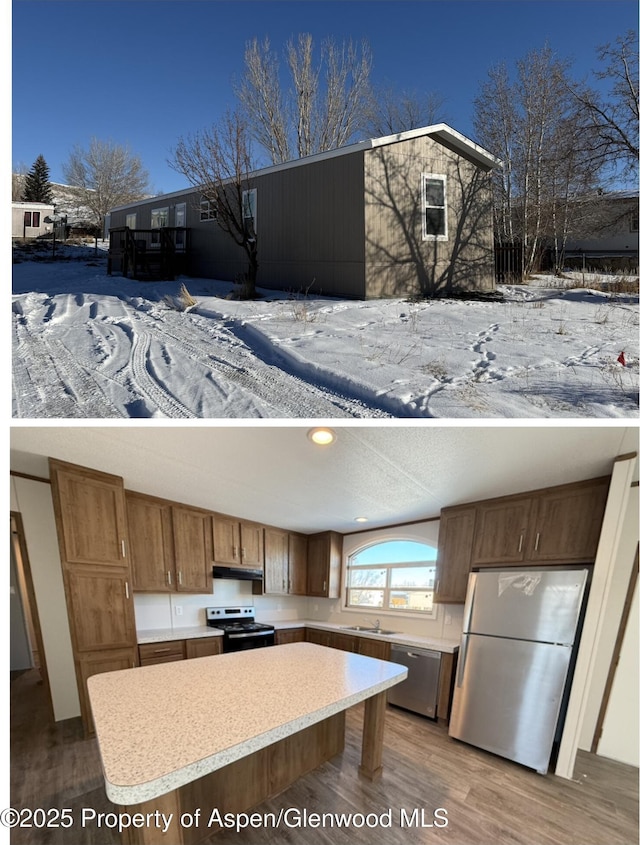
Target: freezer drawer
(419,692)
(507,697)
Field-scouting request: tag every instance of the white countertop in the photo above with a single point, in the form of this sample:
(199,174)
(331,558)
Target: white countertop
(159,727)
(162,635)
(448,646)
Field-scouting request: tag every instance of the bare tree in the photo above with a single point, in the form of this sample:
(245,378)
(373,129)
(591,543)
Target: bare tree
(219,163)
(391,111)
(18,173)
(103,176)
(614,116)
(322,108)
(534,125)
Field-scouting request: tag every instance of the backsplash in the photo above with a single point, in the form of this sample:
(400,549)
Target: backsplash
(185,610)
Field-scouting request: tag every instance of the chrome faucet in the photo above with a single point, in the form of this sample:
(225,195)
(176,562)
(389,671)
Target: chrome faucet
(376,625)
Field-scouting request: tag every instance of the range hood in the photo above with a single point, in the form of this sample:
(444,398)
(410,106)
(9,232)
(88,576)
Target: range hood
(237,574)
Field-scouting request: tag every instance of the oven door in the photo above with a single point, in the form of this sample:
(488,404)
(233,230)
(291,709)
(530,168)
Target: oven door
(251,639)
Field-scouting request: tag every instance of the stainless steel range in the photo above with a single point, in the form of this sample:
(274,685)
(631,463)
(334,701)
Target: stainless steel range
(241,631)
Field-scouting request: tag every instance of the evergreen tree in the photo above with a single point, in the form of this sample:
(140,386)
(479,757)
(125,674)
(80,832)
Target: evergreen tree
(37,187)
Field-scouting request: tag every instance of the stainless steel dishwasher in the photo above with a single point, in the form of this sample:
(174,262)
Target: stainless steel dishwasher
(419,692)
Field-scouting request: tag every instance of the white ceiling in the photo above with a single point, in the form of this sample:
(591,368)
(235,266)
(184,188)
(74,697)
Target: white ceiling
(273,474)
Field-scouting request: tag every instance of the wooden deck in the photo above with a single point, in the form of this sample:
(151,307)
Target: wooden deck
(148,254)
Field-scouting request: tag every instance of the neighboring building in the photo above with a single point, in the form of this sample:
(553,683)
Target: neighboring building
(31,219)
(408,214)
(609,233)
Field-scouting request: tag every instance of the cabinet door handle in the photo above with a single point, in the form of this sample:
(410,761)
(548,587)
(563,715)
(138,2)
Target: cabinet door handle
(179,577)
(244,553)
(235,551)
(124,554)
(126,589)
(161,650)
(520,543)
(168,577)
(437,590)
(324,586)
(537,541)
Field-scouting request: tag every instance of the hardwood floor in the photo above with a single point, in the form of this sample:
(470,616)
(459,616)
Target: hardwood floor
(487,799)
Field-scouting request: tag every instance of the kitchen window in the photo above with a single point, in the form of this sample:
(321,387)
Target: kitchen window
(159,219)
(395,575)
(130,221)
(434,204)
(249,199)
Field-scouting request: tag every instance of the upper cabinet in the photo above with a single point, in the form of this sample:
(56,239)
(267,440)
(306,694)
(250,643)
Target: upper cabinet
(90,515)
(501,530)
(557,525)
(237,543)
(324,561)
(285,563)
(192,549)
(151,541)
(455,541)
(568,522)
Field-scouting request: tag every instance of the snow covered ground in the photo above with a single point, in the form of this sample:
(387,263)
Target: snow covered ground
(89,345)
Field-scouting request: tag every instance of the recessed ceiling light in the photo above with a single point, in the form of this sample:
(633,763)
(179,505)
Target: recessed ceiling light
(322,436)
(361,519)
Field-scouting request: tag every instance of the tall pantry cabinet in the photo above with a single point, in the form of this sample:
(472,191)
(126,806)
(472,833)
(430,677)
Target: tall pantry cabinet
(91,523)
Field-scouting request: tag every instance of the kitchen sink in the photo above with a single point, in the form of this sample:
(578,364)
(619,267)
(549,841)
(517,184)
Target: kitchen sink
(368,630)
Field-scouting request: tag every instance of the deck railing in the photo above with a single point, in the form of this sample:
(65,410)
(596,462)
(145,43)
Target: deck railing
(147,253)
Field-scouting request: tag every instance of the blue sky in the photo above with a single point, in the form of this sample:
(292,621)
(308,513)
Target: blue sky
(144,72)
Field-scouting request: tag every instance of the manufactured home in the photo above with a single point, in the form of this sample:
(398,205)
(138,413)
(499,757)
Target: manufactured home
(31,219)
(243,619)
(403,215)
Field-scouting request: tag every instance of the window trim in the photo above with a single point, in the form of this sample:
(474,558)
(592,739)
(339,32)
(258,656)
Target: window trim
(425,235)
(211,211)
(391,611)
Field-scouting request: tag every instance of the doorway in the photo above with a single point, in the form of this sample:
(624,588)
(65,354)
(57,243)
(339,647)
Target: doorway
(27,649)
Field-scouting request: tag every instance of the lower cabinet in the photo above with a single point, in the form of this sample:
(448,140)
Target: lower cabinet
(291,635)
(204,647)
(94,663)
(167,652)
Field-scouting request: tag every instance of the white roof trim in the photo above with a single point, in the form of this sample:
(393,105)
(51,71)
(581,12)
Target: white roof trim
(441,131)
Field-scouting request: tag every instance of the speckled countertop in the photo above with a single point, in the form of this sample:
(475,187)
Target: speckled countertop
(414,640)
(163,635)
(159,727)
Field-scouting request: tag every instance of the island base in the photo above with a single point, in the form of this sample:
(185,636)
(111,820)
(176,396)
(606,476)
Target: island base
(237,787)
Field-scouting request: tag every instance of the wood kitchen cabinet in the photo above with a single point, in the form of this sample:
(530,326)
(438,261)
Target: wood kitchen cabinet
(192,549)
(455,543)
(290,635)
(501,530)
(568,522)
(315,635)
(90,515)
(162,652)
(324,562)
(203,647)
(554,525)
(237,543)
(285,563)
(151,540)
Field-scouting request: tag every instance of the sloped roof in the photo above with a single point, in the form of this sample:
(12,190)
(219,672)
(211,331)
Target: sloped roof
(441,132)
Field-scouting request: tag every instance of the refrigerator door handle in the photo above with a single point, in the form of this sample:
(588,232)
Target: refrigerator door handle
(462,659)
(468,605)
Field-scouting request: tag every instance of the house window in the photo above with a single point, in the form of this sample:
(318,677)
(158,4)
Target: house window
(249,199)
(434,203)
(633,221)
(130,221)
(32,218)
(159,219)
(393,575)
(208,210)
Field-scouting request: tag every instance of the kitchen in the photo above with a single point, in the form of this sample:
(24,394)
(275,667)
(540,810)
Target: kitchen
(400,479)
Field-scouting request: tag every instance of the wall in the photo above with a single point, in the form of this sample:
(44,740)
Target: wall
(611,619)
(619,739)
(158,610)
(32,499)
(447,621)
(399,261)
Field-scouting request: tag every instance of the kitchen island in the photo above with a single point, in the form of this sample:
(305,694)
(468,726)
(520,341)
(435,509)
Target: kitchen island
(229,731)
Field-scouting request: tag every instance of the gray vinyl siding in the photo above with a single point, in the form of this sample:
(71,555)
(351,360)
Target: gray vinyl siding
(399,261)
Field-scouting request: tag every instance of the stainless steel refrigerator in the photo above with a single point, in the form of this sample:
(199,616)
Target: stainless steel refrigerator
(516,655)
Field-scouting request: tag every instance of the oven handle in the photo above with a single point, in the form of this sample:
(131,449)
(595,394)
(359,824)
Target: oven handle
(250,634)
